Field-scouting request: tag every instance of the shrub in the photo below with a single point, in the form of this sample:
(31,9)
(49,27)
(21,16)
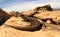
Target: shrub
(58,22)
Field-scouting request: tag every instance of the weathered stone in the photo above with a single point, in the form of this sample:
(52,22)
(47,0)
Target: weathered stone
(54,15)
(44,8)
(32,12)
(3,16)
(48,21)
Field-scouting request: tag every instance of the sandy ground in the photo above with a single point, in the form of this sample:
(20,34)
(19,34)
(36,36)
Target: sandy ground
(11,32)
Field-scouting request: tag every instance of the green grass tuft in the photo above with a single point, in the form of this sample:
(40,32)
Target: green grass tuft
(58,22)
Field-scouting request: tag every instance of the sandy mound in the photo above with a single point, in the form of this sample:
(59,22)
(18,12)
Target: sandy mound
(11,32)
(28,13)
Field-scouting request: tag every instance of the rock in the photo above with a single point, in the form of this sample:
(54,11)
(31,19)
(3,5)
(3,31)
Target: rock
(32,12)
(48,21)
(14,13)
(3,16)
(52,26)
(44,8)
(54,15)
(28,13)
(19,23)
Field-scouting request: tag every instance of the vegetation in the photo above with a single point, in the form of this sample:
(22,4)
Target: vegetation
(58,22)
(13,13)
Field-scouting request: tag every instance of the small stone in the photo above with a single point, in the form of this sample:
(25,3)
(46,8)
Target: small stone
(48,21)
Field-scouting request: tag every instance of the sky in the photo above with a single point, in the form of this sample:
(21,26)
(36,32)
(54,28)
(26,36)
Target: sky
(22,5)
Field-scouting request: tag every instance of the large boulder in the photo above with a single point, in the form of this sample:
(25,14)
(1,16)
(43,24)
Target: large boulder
(3,16)
(53,16)
(44,8)
(37,10)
